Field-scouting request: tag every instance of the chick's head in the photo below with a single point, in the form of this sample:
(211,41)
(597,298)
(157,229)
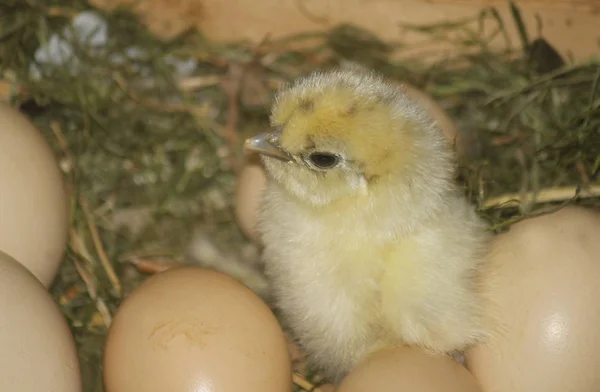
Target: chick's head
(338,133)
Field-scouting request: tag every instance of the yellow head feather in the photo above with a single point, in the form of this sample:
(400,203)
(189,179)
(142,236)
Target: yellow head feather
(371,124)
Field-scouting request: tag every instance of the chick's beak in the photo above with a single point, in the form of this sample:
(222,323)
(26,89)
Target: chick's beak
(264,143)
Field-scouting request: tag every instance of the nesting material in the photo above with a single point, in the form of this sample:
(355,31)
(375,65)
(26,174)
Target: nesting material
(166,18)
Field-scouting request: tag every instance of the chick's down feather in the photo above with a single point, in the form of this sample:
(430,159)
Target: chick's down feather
(368,241)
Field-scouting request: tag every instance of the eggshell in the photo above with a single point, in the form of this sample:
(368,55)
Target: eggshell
(33,201)
(545,289)
(38,350)
(408,369)
(251,184)
(191,329)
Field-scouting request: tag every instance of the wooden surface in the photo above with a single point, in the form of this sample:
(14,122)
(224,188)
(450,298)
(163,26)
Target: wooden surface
(570,30)
(572,26)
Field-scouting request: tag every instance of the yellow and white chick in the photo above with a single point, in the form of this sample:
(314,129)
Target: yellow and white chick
(368,242)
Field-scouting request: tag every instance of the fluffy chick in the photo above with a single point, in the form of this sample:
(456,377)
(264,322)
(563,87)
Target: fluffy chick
(368,242)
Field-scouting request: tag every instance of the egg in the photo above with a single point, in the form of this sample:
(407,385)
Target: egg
(38,350)
(544,290)
(33,200)
(252,179)
(435,110)
(326,388)
(190,329)
(408,369)
(251,183)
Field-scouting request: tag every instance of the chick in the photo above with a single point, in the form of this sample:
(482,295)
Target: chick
(368,242)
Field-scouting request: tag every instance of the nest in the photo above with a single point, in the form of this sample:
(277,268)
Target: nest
(149,131)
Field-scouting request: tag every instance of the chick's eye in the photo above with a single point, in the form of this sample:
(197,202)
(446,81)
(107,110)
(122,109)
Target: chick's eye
(323,160)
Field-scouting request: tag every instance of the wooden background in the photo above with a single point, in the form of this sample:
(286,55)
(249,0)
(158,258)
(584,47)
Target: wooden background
(572,26)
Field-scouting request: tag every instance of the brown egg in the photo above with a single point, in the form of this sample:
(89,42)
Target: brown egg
(38,350)
(191,329)
(33,201)
(408,369)
(326,388)
(433,108)
(545,282)
(251,183)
